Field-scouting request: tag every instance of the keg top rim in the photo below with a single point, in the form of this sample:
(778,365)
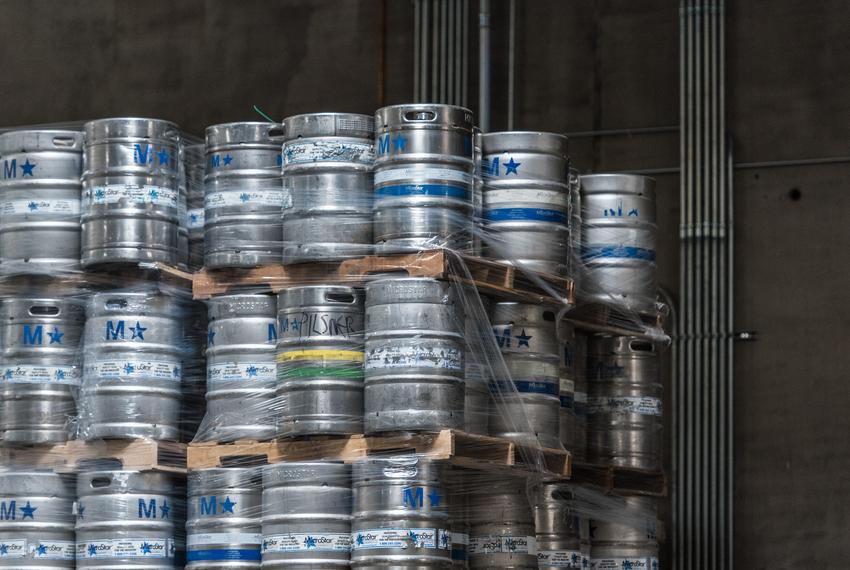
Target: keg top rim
(506,141)
(614,181)
(310,125)
(244,133)
(31,139)
(97,122)
(460,117)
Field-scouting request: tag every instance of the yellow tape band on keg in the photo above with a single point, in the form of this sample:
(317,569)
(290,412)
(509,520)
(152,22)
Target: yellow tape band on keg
(318,354)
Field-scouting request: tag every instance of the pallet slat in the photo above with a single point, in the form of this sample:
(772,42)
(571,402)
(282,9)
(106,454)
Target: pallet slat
(494,278)
(140,454)
(460,448)
(621,480)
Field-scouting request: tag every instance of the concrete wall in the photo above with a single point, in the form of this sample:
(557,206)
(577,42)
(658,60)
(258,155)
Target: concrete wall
(581,65)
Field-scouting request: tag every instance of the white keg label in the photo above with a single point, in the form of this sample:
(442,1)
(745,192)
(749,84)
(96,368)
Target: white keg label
(14,548)
(646,406)
(126,548)
(35,374)
(135,193)
(580,397)
(242,371)
(299,541)
(460,538)
(567,385)
(326,150)
(422,173)
(499,544)
(52,550)
(642,563)
(247,198)
(224,538)
(418,355)
(36,207)
(195,218)
(135,369)
(400,538)
(560,558)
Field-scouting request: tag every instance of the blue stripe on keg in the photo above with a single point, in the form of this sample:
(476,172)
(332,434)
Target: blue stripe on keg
(446,190)
(223,554)
(527,387)
(459,554)
(566,401)
(525,214)
(617,251)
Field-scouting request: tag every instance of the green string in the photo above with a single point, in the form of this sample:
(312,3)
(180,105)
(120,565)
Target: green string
(260,112)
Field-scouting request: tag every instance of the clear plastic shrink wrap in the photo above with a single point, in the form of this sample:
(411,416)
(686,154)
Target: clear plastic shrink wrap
(402,327)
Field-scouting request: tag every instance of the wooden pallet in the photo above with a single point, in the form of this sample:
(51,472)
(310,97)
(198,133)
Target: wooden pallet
(65,283)
(459,448)
(137,454)
(492,278)
(621,480)
(603,318)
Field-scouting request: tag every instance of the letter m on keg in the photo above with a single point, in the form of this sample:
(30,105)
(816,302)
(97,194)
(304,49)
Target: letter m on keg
(414,496)
(10,168)
(489,168)
(32,336)
(384,144)
(208,507)
(142,154)
(114,332)
(7,510)
(147,511)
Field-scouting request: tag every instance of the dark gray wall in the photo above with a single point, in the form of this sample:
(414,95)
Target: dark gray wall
(581,65)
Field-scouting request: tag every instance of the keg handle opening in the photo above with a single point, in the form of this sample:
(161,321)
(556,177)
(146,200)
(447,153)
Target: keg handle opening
(276,132)
(64,141)
(549,316)
(116,303)
(420,116)
(346,298)
(44,311)
(641,346)
(100,482)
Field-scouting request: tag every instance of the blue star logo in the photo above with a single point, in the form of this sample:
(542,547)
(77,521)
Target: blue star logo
(165,508)
(435,498)
(9,374)
(227,506)
(655,565)
(633,212)
(511,166)
(41,550)
(80,510)
(227,159)
(584,562)
(146,548)
(296,325)
(444,539)
(154,195)
(280,159)
(290,153)
(56,336)
(265,545)
(252,371)
(522,339)
(138,331)
(59,375)
(32,206)
(210,338)
(129,368)
(399,142)
(359,539)
(99,194)
(413,536)
(163,156)
(310,542)
(627,565)
(4,549)
(244,197)
(175,372)
(27,168)
(92,550)
(28,511)
(193,218)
